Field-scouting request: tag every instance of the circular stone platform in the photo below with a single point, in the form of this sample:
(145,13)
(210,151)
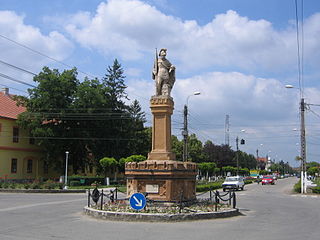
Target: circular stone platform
(158,217)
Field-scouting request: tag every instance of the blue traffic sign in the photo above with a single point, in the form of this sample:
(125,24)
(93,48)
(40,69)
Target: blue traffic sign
(137,201)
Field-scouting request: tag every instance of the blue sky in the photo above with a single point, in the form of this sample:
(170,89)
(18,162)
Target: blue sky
(238,54)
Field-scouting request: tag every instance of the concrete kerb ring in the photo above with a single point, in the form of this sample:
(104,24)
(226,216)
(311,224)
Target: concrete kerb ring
(157,217)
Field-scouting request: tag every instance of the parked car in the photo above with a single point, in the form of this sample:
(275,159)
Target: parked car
(268,180)
(233,183)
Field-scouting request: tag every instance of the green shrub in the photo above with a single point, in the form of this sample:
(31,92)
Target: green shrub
(5,185)
(249,181)
(208,186)
(297,187)
(316,189)
(75,183)
(85,180)
(49,184)
(35,185)
(12,186)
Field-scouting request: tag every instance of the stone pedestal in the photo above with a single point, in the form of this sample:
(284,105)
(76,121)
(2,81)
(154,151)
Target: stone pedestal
(165,180)
(162,109)
(161,176)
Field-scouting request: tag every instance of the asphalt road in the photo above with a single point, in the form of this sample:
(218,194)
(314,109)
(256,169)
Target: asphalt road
(269,212)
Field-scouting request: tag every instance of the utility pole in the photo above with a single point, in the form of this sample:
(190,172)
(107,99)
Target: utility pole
(303,147)
(227,135)
(185,134)
(237,155)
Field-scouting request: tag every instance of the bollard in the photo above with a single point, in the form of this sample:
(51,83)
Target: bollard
(101,199)
(234,200)
(89,195)
(230,198)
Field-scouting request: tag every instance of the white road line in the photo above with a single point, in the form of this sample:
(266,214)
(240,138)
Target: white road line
(39,204)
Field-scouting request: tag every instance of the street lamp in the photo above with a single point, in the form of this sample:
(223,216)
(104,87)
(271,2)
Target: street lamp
(185,128)
(302,143)
(66,172)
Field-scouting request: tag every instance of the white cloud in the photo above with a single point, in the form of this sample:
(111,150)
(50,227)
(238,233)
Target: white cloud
(129,29)
(12,27)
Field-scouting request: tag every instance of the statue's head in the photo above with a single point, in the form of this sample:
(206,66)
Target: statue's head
(163,52)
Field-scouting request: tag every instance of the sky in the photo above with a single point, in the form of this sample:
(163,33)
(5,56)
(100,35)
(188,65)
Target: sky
(238,54)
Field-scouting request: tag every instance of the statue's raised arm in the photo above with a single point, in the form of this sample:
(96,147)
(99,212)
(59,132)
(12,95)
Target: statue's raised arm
(163,73)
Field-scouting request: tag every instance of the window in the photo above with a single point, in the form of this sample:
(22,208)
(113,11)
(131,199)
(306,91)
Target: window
(29,166)
(15,134)
(14,165)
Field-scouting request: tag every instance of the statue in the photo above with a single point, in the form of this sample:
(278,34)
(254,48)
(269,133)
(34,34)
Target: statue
(163,73)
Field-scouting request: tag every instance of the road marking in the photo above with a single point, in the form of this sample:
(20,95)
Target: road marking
(39,204)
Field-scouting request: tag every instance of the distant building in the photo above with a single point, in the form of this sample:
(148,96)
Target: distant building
(262,163)
(20,157)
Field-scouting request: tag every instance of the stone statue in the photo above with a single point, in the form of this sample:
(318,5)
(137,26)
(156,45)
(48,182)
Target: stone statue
(163,73)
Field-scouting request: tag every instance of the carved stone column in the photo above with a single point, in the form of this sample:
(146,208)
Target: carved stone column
(162,109)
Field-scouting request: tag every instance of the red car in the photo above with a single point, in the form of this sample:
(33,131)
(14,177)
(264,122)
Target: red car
(268,180)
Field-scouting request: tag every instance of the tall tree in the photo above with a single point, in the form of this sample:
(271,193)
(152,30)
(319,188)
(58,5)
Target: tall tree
(48,104)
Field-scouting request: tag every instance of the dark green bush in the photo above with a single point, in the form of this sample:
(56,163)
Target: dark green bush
(75,183)
(316,189)
(208,186)
(5,185)
(85,180)
(50,184)
(35,185)
(297,187)
(249,181)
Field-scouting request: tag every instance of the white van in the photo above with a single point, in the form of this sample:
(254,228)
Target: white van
(234,183)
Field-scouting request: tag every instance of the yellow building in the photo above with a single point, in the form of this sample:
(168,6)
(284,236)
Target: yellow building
(20,157)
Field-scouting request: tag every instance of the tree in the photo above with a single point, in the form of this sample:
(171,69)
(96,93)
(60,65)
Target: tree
(195,149)
(115,86)
(87,119)
(207,168)
(313,170)
(177,147)
(108,163)
(132,158)
(47,105)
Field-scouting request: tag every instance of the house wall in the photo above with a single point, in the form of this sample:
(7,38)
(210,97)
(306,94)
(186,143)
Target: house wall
(23,151)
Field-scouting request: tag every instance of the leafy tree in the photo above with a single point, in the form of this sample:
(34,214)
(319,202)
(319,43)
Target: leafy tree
(87,119)
(177,147)
(48,103)
(108,163)
(207,168)
(230,169)
(195,149)
(313,170)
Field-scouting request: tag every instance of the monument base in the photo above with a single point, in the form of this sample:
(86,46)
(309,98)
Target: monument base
(165,180)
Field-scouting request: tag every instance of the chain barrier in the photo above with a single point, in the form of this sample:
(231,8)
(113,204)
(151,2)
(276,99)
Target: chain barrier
(215,197)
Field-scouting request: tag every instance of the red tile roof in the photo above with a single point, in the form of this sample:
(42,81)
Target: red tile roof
(261,159)
(8,107)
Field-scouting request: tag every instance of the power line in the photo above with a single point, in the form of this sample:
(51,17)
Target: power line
(15,67)
(16,80)
(44,55)
(13,88)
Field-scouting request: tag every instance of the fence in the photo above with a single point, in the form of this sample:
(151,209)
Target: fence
(215,197)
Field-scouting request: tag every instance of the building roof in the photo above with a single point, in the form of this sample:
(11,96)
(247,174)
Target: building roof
(8,107)
(261,159)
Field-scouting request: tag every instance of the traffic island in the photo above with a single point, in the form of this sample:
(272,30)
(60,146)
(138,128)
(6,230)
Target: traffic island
(106,205)
(159,217)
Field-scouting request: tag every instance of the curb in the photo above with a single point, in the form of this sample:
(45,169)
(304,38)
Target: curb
(149,217)
(42,191)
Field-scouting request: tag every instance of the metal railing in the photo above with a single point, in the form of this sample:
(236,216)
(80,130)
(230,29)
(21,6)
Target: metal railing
(215,197)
